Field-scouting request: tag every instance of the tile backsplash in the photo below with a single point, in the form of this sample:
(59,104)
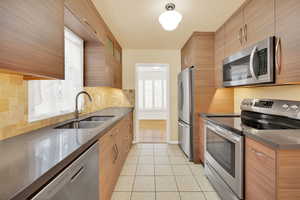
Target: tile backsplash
(13,105)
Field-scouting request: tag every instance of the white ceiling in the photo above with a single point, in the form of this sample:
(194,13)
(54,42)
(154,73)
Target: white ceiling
(135,22)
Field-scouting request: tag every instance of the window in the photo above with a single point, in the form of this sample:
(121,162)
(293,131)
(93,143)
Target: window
(49,98)
(152,88)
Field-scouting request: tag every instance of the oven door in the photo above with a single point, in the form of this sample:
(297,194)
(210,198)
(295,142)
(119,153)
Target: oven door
(253,65)
(224,152)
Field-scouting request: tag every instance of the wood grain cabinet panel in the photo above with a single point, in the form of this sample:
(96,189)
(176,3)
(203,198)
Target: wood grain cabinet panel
(114,148)
(97,72)
(233,33)
(219,56)
(32,37)
(199,51)
(271,174)
(288,32)
(259,21)
(260,171)
(86,12)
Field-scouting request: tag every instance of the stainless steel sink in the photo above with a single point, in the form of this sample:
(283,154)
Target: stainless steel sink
(98,118)
(80,125)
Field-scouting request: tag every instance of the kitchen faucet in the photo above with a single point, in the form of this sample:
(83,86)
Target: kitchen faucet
(76,103)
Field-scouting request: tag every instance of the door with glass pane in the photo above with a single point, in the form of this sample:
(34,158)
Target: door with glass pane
(152,95)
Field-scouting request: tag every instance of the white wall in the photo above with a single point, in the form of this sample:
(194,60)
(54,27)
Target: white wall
(171,57)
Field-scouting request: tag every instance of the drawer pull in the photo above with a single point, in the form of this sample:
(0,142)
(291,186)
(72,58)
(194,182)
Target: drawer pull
(258,153)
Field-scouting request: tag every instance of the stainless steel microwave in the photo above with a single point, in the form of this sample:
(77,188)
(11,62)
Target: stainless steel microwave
(251,66)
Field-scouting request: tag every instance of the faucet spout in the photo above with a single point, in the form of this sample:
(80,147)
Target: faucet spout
(76,103)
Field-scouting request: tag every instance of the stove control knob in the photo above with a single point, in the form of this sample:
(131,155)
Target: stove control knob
(285,106)
(294,107)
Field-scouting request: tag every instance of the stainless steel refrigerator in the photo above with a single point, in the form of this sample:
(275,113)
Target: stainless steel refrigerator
(185,111)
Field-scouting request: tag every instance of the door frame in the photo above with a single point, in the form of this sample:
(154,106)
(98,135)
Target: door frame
(168,103)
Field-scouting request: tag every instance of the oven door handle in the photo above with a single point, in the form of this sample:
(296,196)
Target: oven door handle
(252,62)
(225,133)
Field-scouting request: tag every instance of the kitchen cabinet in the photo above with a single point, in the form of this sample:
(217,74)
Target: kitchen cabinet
(288,41)
(103,54)
(87,14)
(98,72)
(259,21)
(199,51)
(252,22)
(32,38)
(114,148)
(271,174)
(219,56)
(234,33)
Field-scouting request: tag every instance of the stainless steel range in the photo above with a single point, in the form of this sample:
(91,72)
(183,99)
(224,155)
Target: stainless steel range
(224,140)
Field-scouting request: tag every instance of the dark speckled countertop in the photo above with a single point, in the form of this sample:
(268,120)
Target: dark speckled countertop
(29,161)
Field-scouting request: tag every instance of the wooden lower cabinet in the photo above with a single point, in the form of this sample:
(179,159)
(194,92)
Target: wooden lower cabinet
(271,174)
(114,148)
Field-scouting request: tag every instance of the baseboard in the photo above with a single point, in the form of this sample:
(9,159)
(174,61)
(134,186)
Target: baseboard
(172,142)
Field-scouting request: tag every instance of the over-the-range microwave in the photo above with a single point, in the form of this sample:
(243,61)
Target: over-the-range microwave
(251,66)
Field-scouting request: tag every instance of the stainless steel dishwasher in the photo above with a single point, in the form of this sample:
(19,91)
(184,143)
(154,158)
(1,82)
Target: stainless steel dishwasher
(77,182)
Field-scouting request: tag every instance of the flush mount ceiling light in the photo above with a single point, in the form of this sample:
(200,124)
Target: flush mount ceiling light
(170,18)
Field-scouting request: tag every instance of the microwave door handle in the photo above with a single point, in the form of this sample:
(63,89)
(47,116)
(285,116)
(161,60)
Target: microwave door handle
(251,63)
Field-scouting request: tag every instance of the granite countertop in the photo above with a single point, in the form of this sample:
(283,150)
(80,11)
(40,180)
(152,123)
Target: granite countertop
(29,161)
(275,139)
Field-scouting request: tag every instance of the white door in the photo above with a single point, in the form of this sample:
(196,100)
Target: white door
(152,96)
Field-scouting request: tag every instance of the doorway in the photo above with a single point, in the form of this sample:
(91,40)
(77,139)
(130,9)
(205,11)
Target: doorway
(152,103)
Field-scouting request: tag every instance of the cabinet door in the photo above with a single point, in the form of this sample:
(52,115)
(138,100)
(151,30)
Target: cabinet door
(260,168)
(259,20)
(219,56)
(98,71)
(288,33)
(107,157)
(88,15)
(32,37)
(233,33)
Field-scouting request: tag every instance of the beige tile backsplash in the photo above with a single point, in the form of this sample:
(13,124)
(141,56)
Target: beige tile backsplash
(13,105)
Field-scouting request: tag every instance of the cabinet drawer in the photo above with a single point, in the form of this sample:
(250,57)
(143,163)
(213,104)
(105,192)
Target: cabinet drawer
(260,171)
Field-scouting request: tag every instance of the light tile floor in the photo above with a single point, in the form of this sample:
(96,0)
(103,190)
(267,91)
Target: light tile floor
(161,172)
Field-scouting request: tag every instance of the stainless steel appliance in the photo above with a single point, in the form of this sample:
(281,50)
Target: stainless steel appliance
(185,110)
(78,181)
(253,65)
(224,160)
(224,140)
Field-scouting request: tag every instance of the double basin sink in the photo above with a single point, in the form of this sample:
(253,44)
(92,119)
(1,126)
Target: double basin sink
(90,122)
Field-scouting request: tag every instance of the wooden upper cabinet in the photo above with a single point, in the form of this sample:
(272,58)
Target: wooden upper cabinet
(102,53)
(219,56)
(198,50)
(32,37)
(233,33)
(97,71)
(86,12)
(288,36)
(259,21)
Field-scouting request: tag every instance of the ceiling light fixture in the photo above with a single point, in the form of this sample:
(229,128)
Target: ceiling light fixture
(170,18)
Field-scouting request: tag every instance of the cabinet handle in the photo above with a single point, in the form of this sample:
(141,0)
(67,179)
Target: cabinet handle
(278,55)
(260,154)
(89,25)
(245,32)
(117,151)
(240,37)
(116,154)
